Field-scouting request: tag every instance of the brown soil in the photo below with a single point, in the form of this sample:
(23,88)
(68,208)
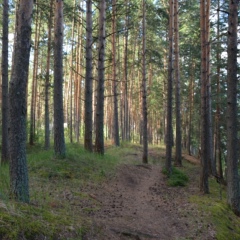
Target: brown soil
(138,204)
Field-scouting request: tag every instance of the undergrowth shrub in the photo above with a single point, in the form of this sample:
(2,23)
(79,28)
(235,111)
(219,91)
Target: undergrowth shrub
(177,178)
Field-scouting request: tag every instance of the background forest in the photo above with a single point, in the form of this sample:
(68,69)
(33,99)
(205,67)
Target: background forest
(104,73)
(128,70)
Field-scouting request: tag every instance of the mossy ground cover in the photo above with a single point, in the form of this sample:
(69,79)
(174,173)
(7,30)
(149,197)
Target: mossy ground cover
(227,224)
(214,206)
(59,186)
(56,191)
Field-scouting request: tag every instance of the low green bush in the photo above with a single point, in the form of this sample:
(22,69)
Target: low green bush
(176,178)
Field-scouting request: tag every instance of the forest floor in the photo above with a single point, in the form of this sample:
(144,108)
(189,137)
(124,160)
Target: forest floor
(114,197)
(137,203)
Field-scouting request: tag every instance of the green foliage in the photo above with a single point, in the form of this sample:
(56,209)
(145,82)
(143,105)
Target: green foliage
(227,224)
(177,178)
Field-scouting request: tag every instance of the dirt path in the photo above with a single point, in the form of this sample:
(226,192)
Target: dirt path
(138,204)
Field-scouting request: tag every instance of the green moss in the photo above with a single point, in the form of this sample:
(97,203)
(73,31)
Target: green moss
(227,224)
(177,178)
(55,191)
(30,222)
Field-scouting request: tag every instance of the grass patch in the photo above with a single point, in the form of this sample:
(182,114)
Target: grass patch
(4,181)
(177,178)
(29,221)
(60,202)
(227,224)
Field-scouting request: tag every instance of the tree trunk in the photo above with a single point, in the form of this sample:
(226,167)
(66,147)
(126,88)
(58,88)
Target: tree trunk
(88,81)
(169,137)
(115,97)
(211,162)
(47,80)
(99,142)
(19,189)
(59,141)
(5,109)
(34,81)
(191,100)
(144,87)
(125,109)
(71,76)
(78,80)
(204,103)
(233,191)
(178,155)
(218,159)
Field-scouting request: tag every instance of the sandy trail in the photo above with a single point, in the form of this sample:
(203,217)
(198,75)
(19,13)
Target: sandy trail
(138,204)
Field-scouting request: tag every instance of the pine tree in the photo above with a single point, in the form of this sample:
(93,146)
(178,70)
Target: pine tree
(233,190)
(59,141)
(19,189)
(5,105)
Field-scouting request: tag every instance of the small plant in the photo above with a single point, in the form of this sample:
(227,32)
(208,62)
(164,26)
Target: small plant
(176,178)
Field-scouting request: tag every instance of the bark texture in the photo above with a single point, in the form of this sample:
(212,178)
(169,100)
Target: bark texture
(19,189)
(99,143)
(233,191)
(178,155)
(115,97)
(204,187)
(5,105)
(47,80)
(34,78)
(59,141)
(144,87)
(88,81)
(169,137)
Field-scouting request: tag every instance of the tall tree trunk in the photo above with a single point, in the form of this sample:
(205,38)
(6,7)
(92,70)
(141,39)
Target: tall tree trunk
(59,141)
(144,87)
(233,190)
(99,142)
(125,108)
(211,162)
(218,159)
(19,189)
(169,137)
(115,97)
(71,77)
(34,81)
(47,79)
(204,102)
(78,79)
(191,100)
(5,109)
(88,81)
(178,156)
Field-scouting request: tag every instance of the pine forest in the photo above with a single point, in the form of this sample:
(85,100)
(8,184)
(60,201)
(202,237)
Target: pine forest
(120,119)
